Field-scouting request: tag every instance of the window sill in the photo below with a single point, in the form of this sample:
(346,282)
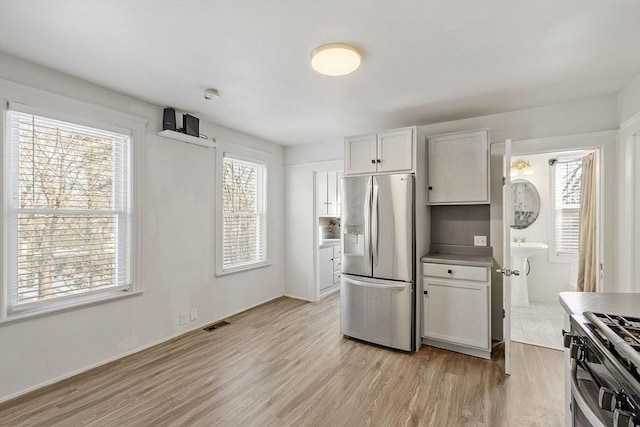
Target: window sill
(18,316)
(241,269)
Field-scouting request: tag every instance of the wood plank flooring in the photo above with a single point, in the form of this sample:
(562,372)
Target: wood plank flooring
(286,364)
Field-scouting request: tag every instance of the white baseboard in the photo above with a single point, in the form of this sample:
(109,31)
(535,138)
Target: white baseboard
(331,292)
(484,354)
(297,297)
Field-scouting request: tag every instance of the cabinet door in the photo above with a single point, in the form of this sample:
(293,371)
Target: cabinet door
(456,312)
(458,168)
(321,191)
(325,268)
(336,278)
(396,150)
(360,154)
(332,194)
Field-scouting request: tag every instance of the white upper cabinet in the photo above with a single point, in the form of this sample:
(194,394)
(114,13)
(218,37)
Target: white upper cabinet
(328,193)
(388,151)
(396,150)
(360,154)
(458,168)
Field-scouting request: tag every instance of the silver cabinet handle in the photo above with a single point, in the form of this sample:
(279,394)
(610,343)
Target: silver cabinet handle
(374,223)
(374,285)
(367,218)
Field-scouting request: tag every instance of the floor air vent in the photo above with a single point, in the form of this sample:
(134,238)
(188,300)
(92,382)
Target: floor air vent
(215,326)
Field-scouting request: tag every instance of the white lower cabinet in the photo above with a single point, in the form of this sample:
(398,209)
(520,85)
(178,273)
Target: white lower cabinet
(325,267)
(456,301)
(329,268)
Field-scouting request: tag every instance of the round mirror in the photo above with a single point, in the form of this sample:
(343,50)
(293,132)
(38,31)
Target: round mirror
(526,203)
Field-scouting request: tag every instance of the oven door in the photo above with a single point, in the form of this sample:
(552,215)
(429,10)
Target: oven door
(585,409)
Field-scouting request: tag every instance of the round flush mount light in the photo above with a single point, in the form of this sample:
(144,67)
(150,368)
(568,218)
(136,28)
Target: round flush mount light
(211,94)
(336,59)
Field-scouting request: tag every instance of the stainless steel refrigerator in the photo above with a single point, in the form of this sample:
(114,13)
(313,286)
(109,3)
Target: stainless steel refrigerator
(377,284)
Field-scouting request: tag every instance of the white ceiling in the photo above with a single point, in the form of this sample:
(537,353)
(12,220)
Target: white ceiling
(425,61)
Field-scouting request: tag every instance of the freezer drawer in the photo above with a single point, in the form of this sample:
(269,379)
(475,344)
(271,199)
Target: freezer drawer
(377,311)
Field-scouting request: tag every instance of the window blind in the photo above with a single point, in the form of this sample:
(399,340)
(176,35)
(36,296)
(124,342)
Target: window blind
(244,213)
(568,177)
(69,210)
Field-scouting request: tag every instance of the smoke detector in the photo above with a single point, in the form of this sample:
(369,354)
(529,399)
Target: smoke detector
(210,94)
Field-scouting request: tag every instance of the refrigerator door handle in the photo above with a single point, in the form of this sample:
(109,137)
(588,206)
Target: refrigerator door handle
(367,218)
(374,285)
(374,224)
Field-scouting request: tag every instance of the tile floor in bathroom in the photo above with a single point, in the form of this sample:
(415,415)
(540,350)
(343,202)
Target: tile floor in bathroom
(539,324)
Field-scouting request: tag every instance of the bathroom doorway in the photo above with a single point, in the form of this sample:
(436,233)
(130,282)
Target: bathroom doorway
(547,189)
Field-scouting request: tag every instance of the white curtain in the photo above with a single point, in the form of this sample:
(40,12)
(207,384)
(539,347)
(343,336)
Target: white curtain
(587,268)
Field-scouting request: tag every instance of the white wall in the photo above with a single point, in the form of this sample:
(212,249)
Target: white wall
(177,265)
(310,153)
(301,235)
(629,100)
(628,175)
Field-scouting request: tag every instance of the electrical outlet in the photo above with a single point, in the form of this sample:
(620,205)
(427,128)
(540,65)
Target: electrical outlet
(479,240)
(194,314)
(183,319)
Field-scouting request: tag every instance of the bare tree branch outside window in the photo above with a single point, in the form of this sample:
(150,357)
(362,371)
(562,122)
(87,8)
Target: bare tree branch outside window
(69,213)
(244,212)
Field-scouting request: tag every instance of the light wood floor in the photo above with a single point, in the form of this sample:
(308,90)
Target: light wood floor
(286,364)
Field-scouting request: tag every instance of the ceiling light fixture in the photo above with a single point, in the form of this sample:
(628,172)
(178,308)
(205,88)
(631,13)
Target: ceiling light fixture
(336,59)
(520,164)
(211,94)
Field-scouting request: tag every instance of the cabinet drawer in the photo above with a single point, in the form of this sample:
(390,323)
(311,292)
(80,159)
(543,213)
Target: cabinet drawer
(336,277)
(336,264)
(452,271)
(337,252)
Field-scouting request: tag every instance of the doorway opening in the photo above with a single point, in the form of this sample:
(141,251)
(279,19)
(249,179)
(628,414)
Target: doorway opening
(547,190)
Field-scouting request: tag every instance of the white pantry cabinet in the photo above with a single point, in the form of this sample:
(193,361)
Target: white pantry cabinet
(458,168)
(329,268)
(456,308)
(385,152)
(328,193)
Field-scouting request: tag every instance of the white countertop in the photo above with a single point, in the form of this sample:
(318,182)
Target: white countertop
(625,304)
(327,243)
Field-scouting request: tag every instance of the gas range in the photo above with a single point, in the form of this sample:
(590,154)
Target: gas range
(605,369)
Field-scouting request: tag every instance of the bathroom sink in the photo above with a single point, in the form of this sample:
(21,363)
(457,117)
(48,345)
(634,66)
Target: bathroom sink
(519,254)
(527,249)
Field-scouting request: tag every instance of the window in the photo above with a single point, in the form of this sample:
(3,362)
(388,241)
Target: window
(68,212)
(567,177)
(244,214)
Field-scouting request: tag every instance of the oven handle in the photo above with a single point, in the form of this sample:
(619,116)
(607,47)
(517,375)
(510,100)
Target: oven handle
(578,398)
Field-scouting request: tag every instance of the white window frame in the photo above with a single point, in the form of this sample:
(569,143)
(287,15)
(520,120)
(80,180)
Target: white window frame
(220,268)
(553,246)
(42,103)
